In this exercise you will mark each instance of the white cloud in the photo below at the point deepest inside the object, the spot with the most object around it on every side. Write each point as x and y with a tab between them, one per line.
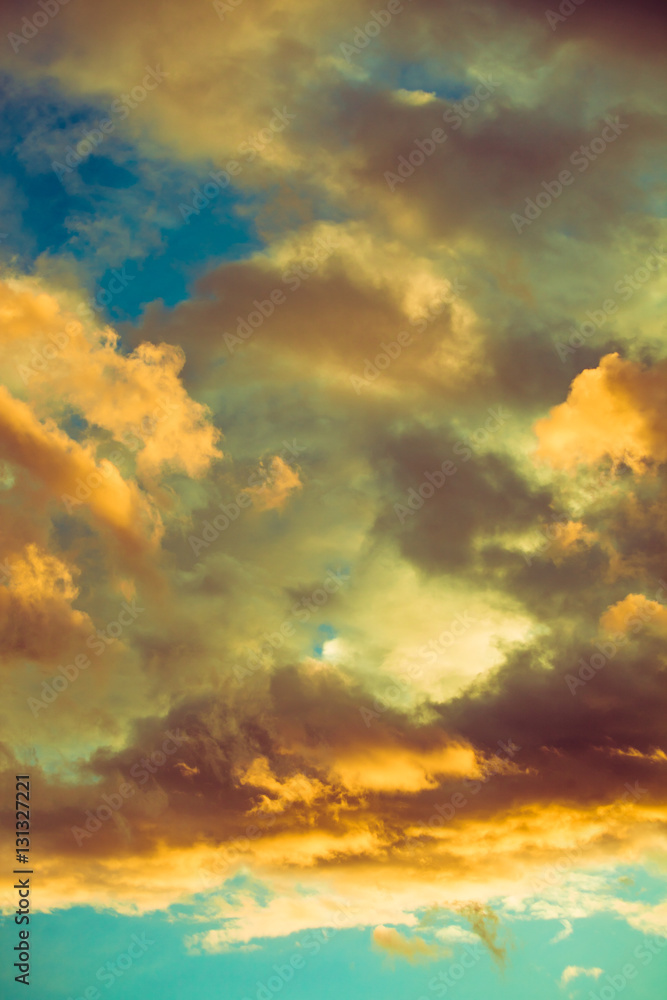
572	971
562	934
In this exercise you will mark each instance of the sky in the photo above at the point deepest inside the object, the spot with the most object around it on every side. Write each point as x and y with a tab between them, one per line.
333	577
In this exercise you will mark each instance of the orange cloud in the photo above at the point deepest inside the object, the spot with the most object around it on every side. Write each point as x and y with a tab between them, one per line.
63	465
138	398
634	613
393	768
37	620
280	482
413	949
613	411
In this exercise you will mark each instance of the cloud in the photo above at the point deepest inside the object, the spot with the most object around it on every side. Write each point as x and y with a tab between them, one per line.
279	484
374	774
64	466
562	934
37	619
614	411
413	949
98	428
634	613
485	923
572	971
455	934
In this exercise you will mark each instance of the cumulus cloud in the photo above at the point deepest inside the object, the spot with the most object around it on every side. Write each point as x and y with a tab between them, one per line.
37	619
573	971
615	410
